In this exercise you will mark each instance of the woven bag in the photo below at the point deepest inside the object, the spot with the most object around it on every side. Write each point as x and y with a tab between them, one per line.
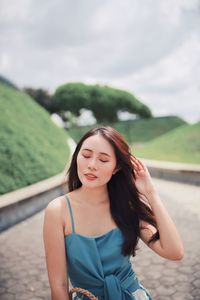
82	291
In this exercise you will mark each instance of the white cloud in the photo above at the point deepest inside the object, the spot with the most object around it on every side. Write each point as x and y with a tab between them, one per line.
171	85
148	47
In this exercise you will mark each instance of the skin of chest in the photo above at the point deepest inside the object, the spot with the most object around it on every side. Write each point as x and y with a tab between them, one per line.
95	220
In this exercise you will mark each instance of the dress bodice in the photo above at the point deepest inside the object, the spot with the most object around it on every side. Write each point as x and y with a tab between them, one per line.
97	264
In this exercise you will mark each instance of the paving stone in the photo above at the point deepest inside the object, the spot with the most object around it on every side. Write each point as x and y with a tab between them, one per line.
183	287
167	291
195	294
8	296
183	278
182	296
18	288
9	283
169	281
186	270
197	274
196	283
28	296
2	290
34	298
43	294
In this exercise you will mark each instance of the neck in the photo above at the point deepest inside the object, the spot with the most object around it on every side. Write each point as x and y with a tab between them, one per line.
94	196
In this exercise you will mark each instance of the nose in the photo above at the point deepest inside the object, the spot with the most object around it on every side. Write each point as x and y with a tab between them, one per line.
92	164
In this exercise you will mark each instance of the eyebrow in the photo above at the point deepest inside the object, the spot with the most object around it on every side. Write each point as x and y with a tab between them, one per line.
99	152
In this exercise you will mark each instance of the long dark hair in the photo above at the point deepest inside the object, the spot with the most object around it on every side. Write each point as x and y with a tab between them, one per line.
126	205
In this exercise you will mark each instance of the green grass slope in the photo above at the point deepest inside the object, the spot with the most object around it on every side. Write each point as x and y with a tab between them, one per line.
180	145
137	131
7	82
32	147
143	130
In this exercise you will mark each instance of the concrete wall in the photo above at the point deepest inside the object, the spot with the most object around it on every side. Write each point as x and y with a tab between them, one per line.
186	173
23	203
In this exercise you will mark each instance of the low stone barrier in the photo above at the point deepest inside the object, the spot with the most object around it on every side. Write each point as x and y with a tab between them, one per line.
185	173
18	205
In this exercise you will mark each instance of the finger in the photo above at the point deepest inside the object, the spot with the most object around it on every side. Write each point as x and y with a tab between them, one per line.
137	163
144	167
136	166
136	174
134	160
141	163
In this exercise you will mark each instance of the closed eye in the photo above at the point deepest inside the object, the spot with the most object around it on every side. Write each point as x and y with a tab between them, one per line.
86	156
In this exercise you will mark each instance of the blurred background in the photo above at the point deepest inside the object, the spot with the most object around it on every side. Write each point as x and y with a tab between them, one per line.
67	66
134	65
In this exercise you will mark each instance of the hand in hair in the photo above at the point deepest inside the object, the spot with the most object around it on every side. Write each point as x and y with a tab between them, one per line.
143	180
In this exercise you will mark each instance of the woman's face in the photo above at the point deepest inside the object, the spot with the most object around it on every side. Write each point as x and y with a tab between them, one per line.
96	161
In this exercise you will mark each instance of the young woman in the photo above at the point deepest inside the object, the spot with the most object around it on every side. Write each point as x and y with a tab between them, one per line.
91	232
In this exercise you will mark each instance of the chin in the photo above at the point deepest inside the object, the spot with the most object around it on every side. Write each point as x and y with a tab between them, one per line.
92	185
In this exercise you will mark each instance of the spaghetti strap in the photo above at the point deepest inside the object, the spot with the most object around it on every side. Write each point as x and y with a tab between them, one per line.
71	214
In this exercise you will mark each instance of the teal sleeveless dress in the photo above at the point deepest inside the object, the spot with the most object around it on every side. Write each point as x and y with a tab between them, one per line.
96	263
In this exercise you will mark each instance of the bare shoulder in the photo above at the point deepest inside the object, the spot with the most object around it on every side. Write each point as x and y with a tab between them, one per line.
56	206
56	203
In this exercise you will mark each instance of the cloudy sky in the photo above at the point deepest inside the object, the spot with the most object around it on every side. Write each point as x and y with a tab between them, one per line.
148	47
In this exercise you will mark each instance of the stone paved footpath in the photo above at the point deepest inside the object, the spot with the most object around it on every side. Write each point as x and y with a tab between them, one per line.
22	264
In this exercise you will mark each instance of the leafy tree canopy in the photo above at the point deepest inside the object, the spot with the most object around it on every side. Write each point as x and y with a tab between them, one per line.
41	96
103	101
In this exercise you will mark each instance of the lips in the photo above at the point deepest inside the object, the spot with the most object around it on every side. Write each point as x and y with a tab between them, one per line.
90	176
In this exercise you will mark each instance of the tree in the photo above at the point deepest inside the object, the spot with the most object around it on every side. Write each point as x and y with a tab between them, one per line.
103	101
41	96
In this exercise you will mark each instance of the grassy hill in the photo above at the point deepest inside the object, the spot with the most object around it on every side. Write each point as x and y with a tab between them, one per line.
179	145
137	131
7	82
32	147
143	130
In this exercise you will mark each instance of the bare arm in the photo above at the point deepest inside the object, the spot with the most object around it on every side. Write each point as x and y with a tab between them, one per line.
53	235
169	245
